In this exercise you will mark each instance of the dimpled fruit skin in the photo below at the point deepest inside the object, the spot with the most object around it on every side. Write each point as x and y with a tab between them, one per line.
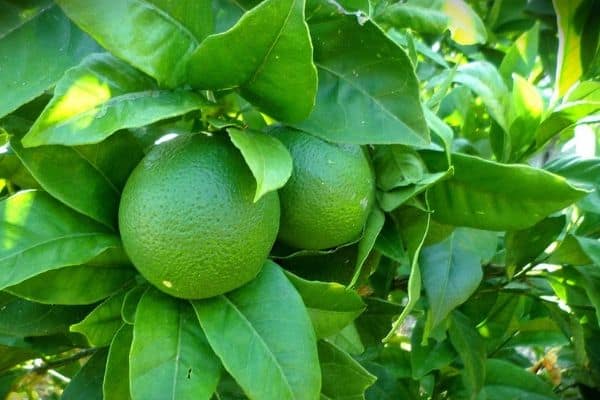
327	199
188	222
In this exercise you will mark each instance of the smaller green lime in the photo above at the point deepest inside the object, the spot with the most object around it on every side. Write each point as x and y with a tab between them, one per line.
328	198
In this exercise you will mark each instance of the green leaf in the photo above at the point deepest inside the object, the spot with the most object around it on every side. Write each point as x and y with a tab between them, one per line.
583	172
228	389
584	91
539	332
331	266
505	380
40	234
116	379
87	383
414	227
36	346
12	169
343	378
451	272
331	306
36	49
372	229
83	284
229	12
169	354
9	357
397	166
391	200
374	98
569	252
471	349
484	79
580	106
348	340
524	246
481	194
97	173
501	320
271	63
389	242
564	117
266	326
268	159
430	355
388	386
440	128
521	56
416	17
23	318
525	112
466	27
587	277
100	96
121	26
591	247
569	66
103	322
130	303
374	323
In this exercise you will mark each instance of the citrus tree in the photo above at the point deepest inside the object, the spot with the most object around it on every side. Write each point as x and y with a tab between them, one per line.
299	199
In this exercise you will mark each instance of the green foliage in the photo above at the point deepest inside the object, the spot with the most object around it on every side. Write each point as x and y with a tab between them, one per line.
254	56
473	274
100	96
267	318
169	352
267	158
39	43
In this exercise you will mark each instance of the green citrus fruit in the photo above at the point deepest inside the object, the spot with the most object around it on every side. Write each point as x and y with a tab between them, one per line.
327	199
188	221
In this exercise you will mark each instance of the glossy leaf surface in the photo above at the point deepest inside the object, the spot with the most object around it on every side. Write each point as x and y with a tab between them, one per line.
121	27
38	44
253	56
266	325
169	353
101	96
330	306
268	159
40	234
375	98
481	193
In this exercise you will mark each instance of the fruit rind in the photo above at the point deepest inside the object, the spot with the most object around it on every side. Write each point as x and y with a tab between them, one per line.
188	221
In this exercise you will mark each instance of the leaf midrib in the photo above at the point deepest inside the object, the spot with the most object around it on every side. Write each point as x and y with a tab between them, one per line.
39	13
442	297
111	103
45	242
170	19
260	340
177	353
97	169
272	46
374	99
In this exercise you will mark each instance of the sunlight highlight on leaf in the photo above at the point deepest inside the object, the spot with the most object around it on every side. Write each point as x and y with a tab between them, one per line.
465	25
17	212
568	67
85	94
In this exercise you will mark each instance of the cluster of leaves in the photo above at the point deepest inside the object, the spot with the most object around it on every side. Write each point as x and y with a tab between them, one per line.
476	275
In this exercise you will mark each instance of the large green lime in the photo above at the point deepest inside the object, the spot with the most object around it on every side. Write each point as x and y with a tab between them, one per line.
188	221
